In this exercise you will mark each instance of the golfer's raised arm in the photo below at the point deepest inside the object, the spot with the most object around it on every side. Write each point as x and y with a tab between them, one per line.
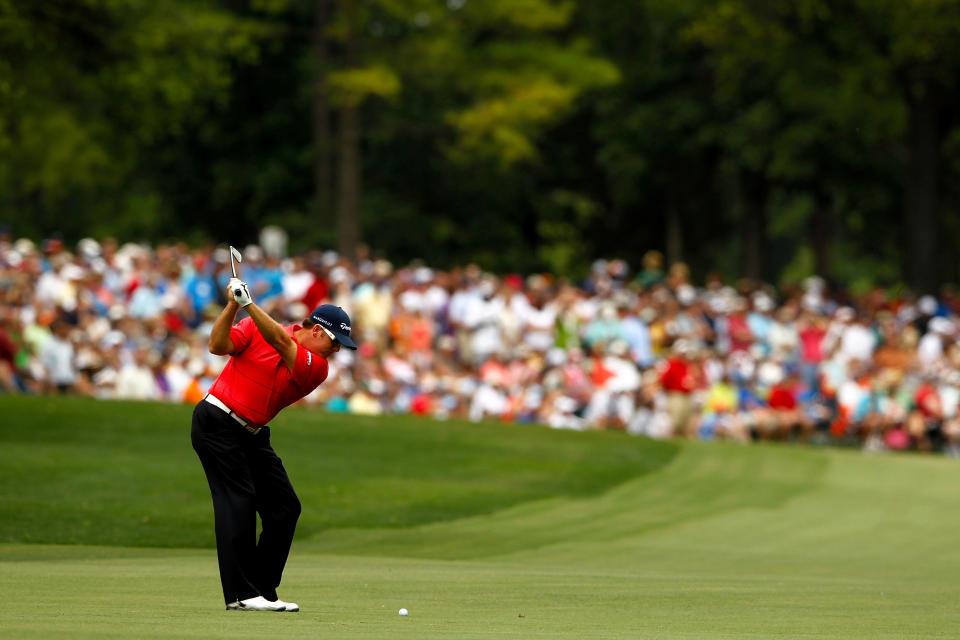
274	334
220	343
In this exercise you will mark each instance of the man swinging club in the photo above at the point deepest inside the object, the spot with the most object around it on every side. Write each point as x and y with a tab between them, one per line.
272	366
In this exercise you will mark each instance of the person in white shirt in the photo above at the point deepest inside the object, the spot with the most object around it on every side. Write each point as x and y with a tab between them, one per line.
297	279
538	316
850	336
482	318
930	347
57	358
489	401
612	402
135	380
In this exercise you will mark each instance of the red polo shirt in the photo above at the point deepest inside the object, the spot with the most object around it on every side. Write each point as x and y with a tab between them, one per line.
256	383
782	398
676	375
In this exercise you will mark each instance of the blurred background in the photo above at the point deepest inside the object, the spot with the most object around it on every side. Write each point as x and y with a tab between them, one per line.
702	218
761	140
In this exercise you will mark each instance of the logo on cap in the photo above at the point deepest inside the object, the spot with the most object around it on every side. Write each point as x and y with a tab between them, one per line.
336	321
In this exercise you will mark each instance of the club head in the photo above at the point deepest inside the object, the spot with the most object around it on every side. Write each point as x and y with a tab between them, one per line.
235	256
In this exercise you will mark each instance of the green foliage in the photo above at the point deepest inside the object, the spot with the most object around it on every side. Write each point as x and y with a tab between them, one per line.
93	85
736	118
561	226
354	86
535	15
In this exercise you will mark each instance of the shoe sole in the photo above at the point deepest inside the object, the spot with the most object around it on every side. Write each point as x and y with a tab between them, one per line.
236	607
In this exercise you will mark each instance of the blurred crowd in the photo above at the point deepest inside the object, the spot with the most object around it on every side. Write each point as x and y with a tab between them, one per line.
644	350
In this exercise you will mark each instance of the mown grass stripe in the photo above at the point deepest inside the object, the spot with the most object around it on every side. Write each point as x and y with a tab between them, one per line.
77	471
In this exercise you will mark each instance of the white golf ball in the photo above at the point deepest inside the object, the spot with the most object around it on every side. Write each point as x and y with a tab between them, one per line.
403	612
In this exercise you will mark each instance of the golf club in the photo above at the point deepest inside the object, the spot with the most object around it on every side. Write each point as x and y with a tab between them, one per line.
235	255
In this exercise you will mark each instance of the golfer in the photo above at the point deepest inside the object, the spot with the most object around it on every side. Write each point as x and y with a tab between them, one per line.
271	367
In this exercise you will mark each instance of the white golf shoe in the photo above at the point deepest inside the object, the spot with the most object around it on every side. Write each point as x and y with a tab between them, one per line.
288	606
258	603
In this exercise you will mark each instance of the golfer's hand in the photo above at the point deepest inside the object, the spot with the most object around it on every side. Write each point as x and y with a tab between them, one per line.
240	292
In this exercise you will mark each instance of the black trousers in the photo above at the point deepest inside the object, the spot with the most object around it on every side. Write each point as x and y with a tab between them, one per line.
246	478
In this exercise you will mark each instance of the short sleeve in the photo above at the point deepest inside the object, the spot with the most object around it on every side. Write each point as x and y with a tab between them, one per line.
309	369
241	334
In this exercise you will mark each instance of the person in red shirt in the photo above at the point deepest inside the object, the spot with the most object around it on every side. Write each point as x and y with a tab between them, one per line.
271	366
680	376
925	422
789	417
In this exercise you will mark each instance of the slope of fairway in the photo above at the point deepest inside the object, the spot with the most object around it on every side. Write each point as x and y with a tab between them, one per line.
707	480
78	471
712	542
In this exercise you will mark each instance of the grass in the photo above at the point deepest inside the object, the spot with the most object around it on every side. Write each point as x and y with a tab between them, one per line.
481	531
125	473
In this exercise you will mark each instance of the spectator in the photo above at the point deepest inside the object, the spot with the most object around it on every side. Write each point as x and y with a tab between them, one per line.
680	379
662	358
9	376
652	272
56	357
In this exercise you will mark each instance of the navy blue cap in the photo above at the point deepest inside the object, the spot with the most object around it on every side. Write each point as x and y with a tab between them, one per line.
335	320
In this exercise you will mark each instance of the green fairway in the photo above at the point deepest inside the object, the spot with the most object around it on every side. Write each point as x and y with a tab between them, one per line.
481	531
124	473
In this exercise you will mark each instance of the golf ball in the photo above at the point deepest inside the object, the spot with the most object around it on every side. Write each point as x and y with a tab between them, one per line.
403	612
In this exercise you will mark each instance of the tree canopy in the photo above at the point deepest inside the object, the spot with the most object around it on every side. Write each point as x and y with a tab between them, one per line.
762	140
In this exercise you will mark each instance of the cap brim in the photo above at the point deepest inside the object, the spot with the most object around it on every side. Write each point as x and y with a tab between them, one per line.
345	340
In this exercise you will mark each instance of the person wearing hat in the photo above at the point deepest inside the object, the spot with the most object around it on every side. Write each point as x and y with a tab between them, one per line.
271	366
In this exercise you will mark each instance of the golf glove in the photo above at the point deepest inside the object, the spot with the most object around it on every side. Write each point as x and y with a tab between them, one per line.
240	292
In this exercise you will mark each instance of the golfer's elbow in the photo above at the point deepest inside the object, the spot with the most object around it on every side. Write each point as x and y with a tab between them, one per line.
219	347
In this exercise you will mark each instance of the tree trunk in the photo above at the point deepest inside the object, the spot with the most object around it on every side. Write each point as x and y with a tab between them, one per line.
350	163
752	196
820	238
322	166
921	201
349	181
674	239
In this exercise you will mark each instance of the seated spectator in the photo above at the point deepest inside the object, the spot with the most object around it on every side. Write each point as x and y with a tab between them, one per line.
784	401
57	359
663	357
719	418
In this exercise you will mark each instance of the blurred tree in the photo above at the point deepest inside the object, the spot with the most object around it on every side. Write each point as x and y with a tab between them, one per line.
800	126
657	167
768	140
435	107
840	108
323	157
85	87
920	43
485	79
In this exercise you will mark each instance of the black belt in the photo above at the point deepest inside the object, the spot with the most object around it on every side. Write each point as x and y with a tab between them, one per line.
219	404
